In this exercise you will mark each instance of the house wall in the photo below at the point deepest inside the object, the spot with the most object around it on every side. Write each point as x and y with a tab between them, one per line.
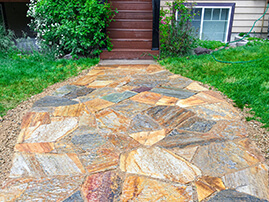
246	12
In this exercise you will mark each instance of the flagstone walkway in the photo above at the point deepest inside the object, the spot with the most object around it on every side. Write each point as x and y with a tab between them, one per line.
134	133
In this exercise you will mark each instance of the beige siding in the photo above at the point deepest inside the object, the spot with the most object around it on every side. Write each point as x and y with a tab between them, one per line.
246	12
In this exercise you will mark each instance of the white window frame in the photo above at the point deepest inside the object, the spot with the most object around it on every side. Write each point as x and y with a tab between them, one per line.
202	18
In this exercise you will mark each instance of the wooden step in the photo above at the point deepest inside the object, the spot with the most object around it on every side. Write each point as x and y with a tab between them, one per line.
129	33
132	43
130	5
134	14
143	54
131	24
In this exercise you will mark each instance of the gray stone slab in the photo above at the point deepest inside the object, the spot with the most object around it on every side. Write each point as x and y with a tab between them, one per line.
79	92
141	123
76	197
230	195
173	92
197	124
60	92
118	97
53	101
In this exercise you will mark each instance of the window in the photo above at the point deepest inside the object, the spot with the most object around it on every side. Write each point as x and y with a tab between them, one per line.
213	21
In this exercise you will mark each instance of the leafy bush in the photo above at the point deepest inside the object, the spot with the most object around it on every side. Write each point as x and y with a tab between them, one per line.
177	36
75	26
210	44
6	40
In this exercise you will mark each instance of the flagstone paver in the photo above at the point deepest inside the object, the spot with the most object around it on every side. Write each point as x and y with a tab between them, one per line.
134	133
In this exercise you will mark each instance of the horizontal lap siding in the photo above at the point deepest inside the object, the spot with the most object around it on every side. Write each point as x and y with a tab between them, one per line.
246	12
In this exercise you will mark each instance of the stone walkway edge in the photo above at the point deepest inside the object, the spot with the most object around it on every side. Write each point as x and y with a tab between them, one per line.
134	133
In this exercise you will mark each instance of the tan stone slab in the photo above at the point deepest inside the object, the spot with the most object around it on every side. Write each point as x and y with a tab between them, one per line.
46	189
43	147
108	67
211	96
147	97
32	119
165	100
98	104
87	119
149	138
85	80
112	120
137	188
94	72
70	110
101	159
120	82
187	153
207	185
196	87
12	193
216	111
191	101
99	84
159	163
58	127
219	159
252	180
154	68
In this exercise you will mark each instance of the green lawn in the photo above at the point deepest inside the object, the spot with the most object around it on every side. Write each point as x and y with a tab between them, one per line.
23	76
247	84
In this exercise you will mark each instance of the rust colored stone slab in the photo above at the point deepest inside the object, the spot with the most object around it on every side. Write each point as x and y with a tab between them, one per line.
169	116
112	120
98	104
218	159
252	180
207	185
43	147
85	80
137	188
102	187
147	97
32	119
149	138
165	100
150	162
122	141
196	87
70	110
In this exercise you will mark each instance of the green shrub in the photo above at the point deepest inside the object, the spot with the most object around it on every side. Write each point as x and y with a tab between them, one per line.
6	40
177	36
75	26
210	44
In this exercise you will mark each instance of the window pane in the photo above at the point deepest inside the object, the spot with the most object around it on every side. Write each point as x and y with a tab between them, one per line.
224	14
196	22
214	30
207	14
216	13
